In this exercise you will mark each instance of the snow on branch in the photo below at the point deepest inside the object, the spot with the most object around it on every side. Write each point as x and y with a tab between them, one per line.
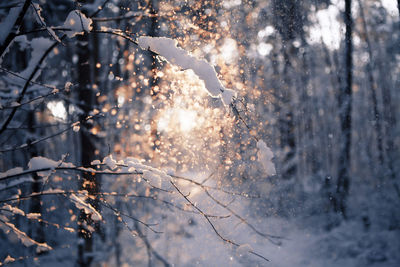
167	48
154	177
23	237
11	172
39	163
265	156
77	23
38	11
39	47
80	203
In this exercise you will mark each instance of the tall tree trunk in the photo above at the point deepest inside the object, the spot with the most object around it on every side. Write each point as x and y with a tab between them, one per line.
289	23
372	86
345	108
36	229
89	182
154	90
398	5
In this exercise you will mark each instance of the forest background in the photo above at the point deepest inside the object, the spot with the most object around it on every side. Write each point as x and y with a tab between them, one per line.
115	151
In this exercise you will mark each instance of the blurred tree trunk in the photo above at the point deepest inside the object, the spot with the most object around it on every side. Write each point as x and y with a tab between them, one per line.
35	230
87	51
154	90
398	5
345	108
372	87
289	23
373	90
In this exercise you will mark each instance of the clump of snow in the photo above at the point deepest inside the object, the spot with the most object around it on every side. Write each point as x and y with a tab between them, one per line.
167	48
33	216
38	163
8	259
95	162
265	156
86	207
77	23
76	127
67	86
12	209
152	178
23	237
110	162
227	96
10	172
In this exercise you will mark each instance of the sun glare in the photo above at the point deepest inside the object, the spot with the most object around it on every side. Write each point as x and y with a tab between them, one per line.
187	119
57	109
177	118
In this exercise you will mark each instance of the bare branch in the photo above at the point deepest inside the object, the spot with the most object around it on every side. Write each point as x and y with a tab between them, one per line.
119	213
71	126
149	247
17	24
215	188
130	15
212	225
243	220
22	94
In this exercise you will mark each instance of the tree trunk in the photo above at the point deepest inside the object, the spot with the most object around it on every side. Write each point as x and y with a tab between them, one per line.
89	182
372	86
345	108
154	90
36	229
289	23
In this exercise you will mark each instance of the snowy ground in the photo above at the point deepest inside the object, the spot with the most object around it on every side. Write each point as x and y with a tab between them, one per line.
345	246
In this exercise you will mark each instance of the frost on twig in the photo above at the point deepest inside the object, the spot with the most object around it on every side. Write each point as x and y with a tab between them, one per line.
167	48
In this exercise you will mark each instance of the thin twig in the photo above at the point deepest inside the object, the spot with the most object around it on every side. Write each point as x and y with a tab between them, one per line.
269	237
119	213
149	247
215	188
32	82
17	24
22	94
212	225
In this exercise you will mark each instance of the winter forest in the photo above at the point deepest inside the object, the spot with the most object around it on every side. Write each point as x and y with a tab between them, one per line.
200	133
